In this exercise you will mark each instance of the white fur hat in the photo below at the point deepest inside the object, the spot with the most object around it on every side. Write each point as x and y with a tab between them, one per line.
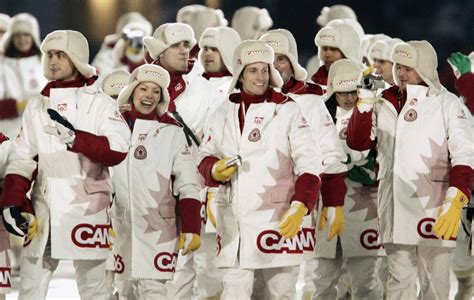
184	13
148	73
344	75
342	36
421	56
356	25
114	82
166	35
368	41
204	18
22	23
383	49
248	21
225	39
4	20
249	52
335	12
283	42
130	17
74	44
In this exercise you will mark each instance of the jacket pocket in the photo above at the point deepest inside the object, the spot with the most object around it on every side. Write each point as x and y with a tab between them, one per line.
439	174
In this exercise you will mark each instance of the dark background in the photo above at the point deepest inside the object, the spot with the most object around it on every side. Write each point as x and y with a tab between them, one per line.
447	25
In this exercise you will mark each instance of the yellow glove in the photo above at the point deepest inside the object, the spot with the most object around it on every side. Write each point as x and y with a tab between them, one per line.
210	215
449	215
32	225
291	221
221	172
335	217
21	105
112	235
188	242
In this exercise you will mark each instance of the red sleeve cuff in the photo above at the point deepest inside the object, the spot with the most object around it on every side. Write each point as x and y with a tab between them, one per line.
333	189
205	168
307	188
15	188
461	177
97	149
190	213
358	131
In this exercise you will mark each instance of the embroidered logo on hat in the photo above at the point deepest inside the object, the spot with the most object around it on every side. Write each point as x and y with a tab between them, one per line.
329	37
403	53
208	36
273	43
118	85
258	51
154	73
345	82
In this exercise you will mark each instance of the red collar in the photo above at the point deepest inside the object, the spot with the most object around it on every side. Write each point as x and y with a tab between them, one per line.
177	84
216	74
62	84
194	52
132	115
321	76
131	65
270	95
300	87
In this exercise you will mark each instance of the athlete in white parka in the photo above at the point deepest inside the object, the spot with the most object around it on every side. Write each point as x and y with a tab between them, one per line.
147	217
70	135
425	147
261	204
5	247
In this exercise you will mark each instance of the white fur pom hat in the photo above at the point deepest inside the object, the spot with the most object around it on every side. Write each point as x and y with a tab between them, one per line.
22	23
4	20
225	39
127	18
342	36
249	52
344	75
166	35
283	42
74	44
356	25
142	28
148	73
421	56
204	18
335	12
184	13
383	49
114	82
249	21
368	41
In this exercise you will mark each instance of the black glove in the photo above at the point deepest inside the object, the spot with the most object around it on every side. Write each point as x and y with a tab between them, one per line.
14	222
55	116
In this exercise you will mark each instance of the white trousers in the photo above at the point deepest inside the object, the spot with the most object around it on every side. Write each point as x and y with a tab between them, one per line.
35	274
141	289
407	263
280	282
199	268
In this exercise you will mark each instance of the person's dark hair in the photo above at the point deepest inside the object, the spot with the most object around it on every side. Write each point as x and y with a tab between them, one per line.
331	105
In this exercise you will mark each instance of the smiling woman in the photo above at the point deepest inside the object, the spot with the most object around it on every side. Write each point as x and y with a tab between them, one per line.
146	96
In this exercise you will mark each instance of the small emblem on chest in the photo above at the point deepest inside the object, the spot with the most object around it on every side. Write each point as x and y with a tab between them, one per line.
258	120
142	136
413	101
62	107
254	135
411	115
140	152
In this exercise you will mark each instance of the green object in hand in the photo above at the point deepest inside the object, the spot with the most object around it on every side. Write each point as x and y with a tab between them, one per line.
461	62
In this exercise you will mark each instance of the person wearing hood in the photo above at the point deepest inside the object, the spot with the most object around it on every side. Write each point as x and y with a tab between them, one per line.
23	77
310	99
425	147
70	135
381	57
271	183
160	171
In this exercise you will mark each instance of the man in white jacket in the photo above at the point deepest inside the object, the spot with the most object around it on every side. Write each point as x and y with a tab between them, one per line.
70	135
425	151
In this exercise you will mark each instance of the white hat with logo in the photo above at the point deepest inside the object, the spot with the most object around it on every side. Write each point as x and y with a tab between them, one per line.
167	35
22	23
114	82
249	21
342	36
225	39
335	12
344	75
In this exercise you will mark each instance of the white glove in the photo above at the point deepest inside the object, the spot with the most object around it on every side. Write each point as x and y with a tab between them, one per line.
367	99
64	134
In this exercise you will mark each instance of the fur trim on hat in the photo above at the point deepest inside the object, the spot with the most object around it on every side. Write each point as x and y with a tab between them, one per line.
383	49
166	35
249	52
421	56
225	39
344	75
283	42
114	82
342	36
250	21
74	44
148	73
206	17
368	41
4	20
335	12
